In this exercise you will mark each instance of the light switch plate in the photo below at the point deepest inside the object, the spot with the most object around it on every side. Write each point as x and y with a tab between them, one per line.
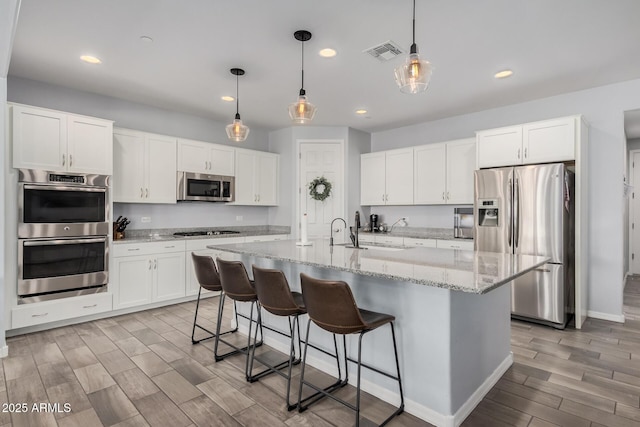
145	219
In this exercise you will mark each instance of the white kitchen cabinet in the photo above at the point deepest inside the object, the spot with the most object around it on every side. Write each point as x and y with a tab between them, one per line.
384	239
529	143
60	309
256	178
443	172
419	243
147	272
386	178
199	247
58	141
466	245
205	157
144	167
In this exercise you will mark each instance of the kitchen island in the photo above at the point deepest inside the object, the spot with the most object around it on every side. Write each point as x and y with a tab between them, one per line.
452	316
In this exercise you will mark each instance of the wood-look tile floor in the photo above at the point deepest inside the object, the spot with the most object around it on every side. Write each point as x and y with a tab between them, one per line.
141	369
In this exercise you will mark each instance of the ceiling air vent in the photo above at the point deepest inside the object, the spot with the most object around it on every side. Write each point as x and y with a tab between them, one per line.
384	51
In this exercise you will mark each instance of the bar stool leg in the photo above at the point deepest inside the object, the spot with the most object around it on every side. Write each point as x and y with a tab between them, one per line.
215	347
195	319
395	352
358	382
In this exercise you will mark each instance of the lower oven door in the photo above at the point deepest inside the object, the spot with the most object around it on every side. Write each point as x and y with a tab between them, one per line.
46	266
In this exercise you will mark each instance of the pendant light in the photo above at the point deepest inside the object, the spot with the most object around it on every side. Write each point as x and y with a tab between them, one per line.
302	111
413	76
236	131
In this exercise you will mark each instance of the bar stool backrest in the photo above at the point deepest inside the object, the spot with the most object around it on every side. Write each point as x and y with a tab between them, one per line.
206	272
274	293
331	305
235	280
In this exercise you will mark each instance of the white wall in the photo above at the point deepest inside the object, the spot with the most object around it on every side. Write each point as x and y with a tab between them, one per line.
603	108
150	119
3	134
358	142
282	142
632	144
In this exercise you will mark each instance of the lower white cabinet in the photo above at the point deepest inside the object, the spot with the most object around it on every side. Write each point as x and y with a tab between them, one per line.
420	243
147	272
60	309
466	245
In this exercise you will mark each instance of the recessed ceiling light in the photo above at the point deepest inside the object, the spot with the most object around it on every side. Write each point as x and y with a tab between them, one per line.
327	53
361	111
503	74
146	39
90	59
227	98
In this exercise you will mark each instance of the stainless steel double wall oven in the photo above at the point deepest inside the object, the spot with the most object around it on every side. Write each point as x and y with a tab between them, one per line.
63	227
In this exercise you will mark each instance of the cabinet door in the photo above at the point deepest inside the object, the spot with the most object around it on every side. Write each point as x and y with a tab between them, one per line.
267	179
499	147
245	178
131	281
461	163
128	166
193	156
549	141
39	139
465	245
89	145
169	276
429	184
399	177
419	243
161	167
222	160
372	179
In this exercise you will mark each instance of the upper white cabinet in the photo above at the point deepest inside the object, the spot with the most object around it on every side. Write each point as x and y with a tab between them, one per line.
386	177
256	178
58	141
144	168
539	142
205	157
443	173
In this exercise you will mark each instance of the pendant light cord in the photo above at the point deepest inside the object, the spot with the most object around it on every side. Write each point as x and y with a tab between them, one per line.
237	99
414	48
302	91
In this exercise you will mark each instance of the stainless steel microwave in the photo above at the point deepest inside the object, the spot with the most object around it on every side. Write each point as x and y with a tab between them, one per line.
206	188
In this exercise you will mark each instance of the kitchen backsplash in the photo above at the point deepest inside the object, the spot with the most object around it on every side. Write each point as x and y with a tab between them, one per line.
418	216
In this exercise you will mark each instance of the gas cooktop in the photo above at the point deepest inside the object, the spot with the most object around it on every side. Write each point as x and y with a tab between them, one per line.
204	233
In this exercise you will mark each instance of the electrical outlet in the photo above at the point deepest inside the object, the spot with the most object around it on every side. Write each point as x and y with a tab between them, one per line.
238	217
145	219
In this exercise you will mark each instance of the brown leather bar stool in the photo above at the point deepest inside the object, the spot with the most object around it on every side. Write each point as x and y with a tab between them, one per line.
276	297
331	307
237	286
208	278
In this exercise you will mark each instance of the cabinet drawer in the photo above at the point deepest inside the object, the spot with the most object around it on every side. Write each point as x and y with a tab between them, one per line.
422	243
62	309
366	238
200	244
128	249
466	245
267	238
389	240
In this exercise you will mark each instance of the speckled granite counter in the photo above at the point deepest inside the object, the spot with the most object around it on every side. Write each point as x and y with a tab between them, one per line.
164	234
456	270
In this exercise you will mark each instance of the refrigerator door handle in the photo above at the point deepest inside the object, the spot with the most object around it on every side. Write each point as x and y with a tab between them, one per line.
516	215
509	213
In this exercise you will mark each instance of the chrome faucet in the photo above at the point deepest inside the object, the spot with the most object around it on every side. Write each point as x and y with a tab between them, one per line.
354	238
335	219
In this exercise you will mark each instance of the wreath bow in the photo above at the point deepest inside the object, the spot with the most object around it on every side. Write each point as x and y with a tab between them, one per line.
320	189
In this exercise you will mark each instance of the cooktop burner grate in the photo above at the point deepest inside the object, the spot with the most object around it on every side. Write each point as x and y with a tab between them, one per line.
204	233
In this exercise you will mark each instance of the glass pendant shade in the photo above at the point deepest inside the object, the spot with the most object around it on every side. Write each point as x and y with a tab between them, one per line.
236	131
414	75
302	111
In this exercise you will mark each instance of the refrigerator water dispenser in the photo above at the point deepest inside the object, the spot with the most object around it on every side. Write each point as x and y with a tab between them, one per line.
488	213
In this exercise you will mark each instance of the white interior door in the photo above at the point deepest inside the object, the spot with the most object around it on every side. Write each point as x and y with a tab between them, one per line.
634	217
322	159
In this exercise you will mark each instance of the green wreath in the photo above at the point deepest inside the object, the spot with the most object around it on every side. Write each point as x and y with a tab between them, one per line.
320	189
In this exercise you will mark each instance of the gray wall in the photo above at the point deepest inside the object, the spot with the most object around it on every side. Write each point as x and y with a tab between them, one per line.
603	108
632	144
358	142
150	119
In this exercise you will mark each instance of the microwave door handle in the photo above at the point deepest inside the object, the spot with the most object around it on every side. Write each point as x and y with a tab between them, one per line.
63	241
65	188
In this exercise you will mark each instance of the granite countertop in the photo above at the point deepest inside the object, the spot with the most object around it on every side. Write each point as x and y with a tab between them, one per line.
455	270
166	234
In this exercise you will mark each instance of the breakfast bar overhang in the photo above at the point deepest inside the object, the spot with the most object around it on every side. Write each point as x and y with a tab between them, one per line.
452	312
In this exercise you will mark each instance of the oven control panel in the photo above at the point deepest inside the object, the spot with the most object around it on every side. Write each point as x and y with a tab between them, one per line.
76	179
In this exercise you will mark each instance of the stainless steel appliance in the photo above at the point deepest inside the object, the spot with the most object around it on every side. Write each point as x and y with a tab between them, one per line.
463	223
204	233
373	219
529	210
63	226
207	188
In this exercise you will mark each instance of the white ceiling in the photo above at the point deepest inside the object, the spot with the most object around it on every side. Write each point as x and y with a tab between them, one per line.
552	46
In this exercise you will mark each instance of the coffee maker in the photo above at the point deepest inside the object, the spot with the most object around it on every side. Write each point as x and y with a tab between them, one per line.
373	220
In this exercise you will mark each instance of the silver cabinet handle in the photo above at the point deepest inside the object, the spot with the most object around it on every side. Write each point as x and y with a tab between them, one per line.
90	306
64	158
133	249
141	192
383	197
525	153
70	159
258	197
146	193
448	196
40	315
518	153
443	195
155	264
150	264
169	247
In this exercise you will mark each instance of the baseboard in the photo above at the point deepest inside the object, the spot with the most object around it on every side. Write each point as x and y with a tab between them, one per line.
619	318
4	351
393	398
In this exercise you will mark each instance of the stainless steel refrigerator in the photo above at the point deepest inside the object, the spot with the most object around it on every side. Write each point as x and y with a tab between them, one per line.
529	210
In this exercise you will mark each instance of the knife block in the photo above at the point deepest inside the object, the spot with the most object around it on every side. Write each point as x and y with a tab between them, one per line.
118	235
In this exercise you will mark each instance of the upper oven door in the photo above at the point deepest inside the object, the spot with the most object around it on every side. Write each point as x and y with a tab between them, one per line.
62	210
